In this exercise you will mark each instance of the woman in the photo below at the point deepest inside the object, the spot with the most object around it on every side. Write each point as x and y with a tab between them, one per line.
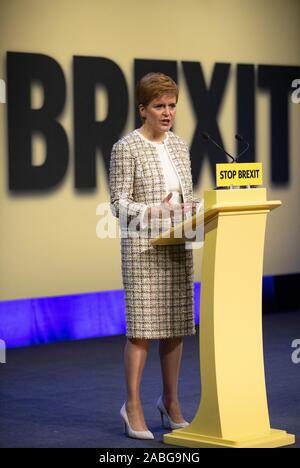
150	181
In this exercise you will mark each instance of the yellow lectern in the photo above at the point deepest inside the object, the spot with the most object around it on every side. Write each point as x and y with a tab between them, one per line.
233	411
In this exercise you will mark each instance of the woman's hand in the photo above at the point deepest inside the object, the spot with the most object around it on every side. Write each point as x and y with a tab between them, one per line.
170	210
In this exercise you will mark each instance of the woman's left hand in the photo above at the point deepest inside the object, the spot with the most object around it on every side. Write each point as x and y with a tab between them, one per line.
178	209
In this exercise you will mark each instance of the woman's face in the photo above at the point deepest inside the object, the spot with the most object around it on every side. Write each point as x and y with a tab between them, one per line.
159	113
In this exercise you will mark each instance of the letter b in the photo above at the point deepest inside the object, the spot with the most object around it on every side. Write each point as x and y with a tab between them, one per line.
22	71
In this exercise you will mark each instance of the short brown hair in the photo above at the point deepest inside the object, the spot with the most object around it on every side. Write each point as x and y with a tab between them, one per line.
154	85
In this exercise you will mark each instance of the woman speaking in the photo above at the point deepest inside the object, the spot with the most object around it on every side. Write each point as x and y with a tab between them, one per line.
150	181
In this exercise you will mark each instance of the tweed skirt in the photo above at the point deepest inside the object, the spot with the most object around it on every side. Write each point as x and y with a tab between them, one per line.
159	289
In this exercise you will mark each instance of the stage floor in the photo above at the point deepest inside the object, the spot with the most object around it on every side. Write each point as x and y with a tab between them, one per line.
69	394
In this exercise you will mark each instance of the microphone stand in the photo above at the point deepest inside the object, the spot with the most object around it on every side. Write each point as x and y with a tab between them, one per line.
238	137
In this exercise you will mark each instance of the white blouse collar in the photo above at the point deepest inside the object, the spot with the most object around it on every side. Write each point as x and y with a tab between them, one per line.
154	143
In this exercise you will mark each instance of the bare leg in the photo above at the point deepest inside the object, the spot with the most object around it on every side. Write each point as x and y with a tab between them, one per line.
135	356
170	351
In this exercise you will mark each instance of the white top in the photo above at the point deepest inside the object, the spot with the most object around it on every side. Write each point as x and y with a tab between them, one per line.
172	180
171	176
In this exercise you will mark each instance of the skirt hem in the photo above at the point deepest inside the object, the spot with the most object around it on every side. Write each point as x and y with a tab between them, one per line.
157	337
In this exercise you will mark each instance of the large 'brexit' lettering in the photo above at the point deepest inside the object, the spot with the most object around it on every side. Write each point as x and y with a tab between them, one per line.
25	69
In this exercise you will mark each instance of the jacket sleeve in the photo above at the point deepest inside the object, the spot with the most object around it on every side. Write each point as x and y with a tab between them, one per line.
121	184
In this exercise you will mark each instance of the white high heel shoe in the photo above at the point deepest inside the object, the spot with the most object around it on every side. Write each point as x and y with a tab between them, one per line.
129	431
163	412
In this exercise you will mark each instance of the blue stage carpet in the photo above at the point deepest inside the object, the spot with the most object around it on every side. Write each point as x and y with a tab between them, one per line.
69	394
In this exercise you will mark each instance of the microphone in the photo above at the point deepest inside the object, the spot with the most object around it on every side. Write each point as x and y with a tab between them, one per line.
237	137
241	139
208	137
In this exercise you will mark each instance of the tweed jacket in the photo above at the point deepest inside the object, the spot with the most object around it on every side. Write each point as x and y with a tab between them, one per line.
158	280
137	179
